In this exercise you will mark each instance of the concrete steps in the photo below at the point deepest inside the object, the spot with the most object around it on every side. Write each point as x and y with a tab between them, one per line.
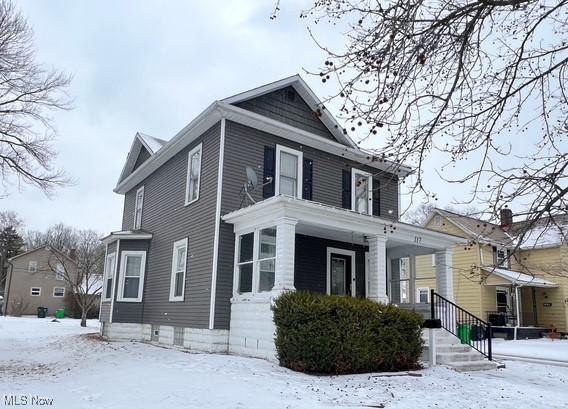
461	357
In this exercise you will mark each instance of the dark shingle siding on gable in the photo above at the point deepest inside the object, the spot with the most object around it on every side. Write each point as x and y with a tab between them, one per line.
244	146
276	105
166	216
142	157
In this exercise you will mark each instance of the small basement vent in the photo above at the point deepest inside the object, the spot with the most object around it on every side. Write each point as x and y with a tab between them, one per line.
155	333
178	336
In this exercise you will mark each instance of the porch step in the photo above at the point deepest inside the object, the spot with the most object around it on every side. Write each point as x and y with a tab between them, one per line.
462	356
467	366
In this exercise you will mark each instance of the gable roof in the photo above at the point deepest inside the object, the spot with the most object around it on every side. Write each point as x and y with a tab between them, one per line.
140	142
300	86
547	232
46	248
218	110
474	228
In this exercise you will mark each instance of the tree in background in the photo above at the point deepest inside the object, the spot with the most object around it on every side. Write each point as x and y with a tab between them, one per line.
11	242
27	92
419	214
78	257
480	84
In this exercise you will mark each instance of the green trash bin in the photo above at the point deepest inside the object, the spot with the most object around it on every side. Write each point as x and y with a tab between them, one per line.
41	312
464	333
60	313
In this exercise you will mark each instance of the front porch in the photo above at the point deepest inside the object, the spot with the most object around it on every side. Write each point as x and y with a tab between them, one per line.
288	244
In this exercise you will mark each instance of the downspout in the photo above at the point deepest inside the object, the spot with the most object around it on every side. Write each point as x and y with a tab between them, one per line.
518	310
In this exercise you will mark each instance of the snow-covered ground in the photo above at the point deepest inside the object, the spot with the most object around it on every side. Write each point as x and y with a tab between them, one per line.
78	370
544	348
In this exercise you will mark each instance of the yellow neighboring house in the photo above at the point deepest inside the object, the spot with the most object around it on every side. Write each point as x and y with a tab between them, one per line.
489	278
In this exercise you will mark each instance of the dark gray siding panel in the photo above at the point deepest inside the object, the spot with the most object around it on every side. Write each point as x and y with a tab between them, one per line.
130	312
310	264
277	105
166	216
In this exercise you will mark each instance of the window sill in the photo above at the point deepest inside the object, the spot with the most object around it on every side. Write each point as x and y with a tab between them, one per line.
106	300
128	300
178	299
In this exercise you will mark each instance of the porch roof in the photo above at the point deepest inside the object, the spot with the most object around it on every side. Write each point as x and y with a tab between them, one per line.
337	219
126	235
517	278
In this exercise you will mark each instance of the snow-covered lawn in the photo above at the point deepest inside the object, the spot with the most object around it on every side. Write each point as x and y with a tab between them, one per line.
556	350
77	370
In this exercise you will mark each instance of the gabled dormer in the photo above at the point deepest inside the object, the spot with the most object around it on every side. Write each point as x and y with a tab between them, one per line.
143	148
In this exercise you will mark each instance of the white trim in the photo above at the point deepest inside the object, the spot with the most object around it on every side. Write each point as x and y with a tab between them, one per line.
58	296
354	173
299	169
103	289
417	295
32	290
198	148
367	275
106	273
352	254
122	273
125	235
177	245
217	225
137	213
114	283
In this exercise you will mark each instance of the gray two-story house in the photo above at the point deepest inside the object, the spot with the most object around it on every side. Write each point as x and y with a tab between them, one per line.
204	248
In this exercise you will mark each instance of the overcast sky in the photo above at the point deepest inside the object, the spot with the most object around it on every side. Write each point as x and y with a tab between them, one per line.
148	66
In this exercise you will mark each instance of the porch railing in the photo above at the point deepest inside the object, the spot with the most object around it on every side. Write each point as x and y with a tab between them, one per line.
468	328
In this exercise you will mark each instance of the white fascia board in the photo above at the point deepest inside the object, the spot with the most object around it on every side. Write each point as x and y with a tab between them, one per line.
188	134
289	132
265	212
125	236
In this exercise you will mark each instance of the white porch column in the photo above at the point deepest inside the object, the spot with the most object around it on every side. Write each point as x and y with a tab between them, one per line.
285	251
378	269
444	274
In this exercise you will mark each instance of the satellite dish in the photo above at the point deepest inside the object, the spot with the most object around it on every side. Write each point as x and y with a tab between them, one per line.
252	179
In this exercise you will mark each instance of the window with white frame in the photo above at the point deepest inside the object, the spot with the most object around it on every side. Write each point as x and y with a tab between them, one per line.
110	265
361	191
193	175
131	284
58	292
179	266
256	261
59	272
288	171
423	295
139	205
35	291
32	266
500	257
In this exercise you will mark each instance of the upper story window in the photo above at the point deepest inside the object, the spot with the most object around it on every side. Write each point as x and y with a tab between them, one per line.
256	261
138	208
110	265
32	266
131	284
58	292
500	258
361	191
193	174
288	171
179	266
59	272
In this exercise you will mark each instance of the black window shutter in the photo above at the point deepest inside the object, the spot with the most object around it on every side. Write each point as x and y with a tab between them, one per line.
346	189
307	175
376	197
269	171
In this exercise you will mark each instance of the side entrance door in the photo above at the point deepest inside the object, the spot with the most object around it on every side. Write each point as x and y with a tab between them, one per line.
340	272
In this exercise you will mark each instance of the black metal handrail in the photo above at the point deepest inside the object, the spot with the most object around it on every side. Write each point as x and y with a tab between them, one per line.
470	329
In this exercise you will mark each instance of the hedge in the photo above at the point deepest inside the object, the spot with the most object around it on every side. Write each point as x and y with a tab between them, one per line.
338	335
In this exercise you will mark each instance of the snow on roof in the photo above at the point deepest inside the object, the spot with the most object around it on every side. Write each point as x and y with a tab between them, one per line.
518	278
545	236
152	143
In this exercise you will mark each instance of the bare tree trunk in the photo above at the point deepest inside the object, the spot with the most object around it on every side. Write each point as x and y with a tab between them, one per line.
83	317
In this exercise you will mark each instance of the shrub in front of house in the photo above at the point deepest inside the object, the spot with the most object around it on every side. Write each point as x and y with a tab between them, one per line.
338	335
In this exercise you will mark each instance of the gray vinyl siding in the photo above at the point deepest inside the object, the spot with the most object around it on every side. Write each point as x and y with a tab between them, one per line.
276	105
104	313
129	312
310	264
244	146
169	220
